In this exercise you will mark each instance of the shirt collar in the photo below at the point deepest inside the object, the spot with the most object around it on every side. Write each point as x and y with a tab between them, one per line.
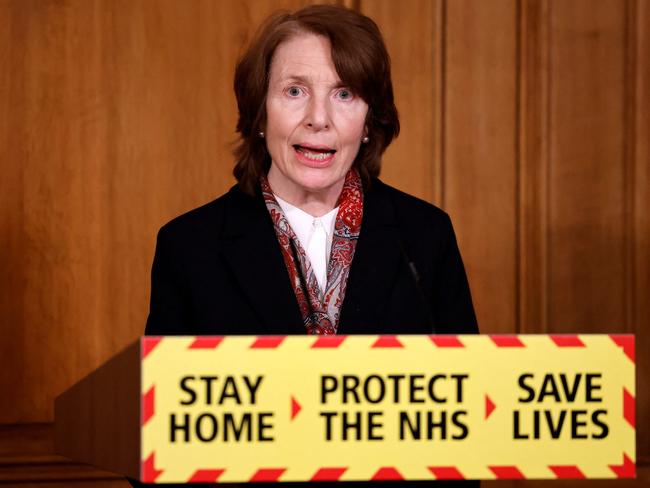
302	223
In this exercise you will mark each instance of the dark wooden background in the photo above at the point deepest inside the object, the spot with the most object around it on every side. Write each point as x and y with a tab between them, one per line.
527	120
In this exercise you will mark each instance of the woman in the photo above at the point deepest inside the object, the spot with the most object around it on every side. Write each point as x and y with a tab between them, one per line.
310	241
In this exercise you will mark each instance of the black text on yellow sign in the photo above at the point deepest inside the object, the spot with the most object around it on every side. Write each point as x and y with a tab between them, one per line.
416	411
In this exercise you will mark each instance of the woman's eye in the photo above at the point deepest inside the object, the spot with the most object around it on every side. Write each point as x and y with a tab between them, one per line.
345	94
294	91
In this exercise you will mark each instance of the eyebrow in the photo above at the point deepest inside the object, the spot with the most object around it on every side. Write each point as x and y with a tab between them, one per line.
305	81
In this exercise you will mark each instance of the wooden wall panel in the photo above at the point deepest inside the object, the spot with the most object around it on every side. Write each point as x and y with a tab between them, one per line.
12	259
534	86
480	173
412	31
587	231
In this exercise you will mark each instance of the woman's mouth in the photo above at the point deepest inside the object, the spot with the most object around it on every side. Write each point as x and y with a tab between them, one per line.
315	155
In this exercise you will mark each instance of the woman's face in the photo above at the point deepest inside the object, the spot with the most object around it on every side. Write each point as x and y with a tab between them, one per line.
314	124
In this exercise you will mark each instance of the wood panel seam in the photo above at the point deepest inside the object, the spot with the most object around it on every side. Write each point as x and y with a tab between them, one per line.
443	102
629	161
547	94
520	31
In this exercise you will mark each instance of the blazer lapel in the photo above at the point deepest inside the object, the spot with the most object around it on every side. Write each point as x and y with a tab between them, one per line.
251	251
376	261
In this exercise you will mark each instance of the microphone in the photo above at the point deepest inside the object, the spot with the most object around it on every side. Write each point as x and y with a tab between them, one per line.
413	272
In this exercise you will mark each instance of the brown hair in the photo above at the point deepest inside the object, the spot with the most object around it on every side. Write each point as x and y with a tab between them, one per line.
361	61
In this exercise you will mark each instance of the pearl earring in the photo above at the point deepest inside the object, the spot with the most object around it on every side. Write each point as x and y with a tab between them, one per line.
365	140
261	134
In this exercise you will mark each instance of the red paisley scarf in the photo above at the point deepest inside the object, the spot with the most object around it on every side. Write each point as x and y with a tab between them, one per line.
320	310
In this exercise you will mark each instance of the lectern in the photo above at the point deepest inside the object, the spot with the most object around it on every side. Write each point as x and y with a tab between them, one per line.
344	408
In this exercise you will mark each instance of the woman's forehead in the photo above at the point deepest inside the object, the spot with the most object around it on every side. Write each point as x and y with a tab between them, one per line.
305	58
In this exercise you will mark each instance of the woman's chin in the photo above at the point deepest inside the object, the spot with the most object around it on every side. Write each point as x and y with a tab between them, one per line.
320	181
297	180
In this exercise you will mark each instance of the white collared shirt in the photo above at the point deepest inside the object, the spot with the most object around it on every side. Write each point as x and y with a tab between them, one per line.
304	226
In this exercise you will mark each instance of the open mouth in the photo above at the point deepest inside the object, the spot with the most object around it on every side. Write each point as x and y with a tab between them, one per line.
315	153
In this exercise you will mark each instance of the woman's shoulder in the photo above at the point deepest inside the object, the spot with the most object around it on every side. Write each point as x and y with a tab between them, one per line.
205	221
409	209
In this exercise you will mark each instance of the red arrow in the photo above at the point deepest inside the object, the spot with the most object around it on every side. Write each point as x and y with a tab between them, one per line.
489	407
295	408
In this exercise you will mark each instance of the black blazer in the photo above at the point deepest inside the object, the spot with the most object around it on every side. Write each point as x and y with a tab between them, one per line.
219	270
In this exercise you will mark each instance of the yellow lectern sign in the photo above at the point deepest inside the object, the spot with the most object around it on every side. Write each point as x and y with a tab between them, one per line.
233	409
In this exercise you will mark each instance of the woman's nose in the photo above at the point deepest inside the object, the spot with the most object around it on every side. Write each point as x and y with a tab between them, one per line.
318	116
